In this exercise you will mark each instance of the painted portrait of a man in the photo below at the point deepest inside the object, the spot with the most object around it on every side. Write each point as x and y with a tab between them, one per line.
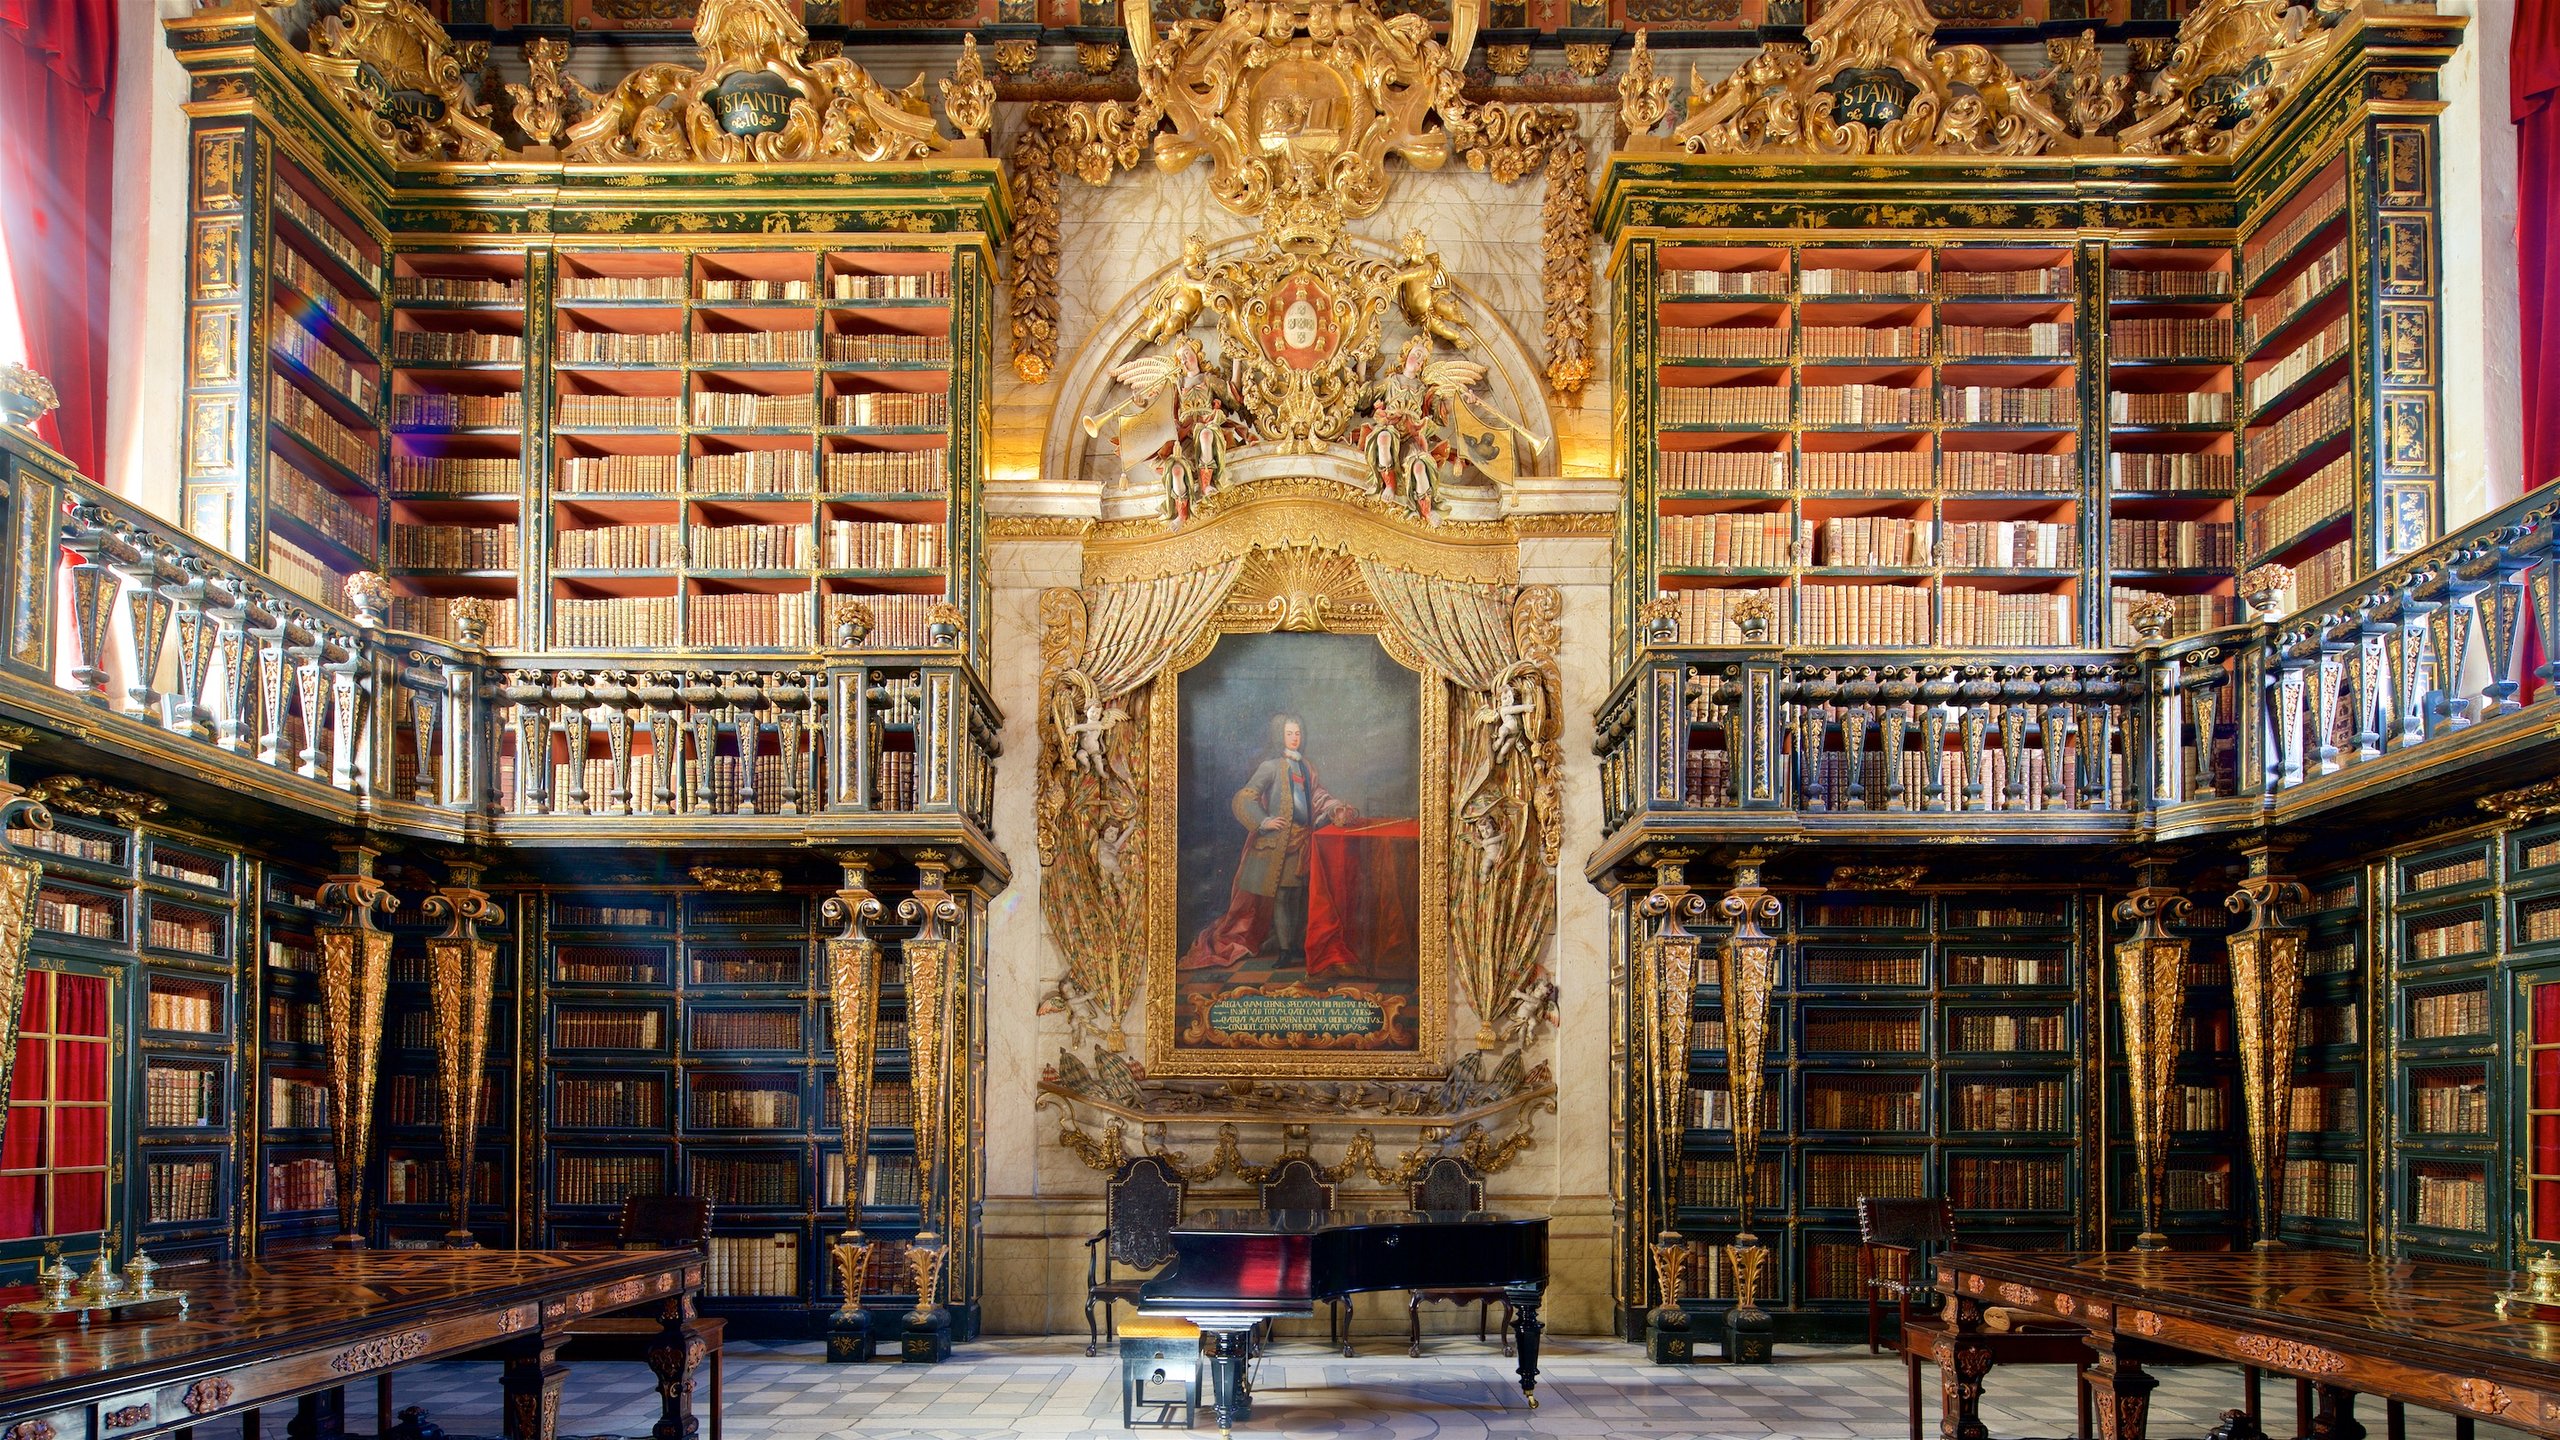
1280	805
1298	882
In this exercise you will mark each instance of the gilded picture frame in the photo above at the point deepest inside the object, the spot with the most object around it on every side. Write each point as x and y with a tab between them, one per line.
1339	614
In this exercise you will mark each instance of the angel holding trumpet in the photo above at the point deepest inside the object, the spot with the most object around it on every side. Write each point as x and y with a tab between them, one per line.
1177	416
1418	426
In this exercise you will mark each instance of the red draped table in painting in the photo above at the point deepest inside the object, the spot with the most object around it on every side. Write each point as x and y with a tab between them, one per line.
301	1327
2423	1334
1362	883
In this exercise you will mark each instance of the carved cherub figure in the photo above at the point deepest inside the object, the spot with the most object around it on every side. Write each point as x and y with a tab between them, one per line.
1423	292
1180	296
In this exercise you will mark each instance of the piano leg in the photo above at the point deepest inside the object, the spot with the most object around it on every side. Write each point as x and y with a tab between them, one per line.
1522	1303
1225	1348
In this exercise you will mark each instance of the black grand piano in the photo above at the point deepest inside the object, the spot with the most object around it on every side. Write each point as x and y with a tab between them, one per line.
1233	1269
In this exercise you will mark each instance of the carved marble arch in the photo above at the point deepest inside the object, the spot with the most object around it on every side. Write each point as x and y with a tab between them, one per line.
1514	382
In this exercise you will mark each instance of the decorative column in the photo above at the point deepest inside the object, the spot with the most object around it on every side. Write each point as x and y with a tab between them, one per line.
2151	989
355	974
853	1009
462	975
1672	977
2266	1000
934	911
1749	970
19	877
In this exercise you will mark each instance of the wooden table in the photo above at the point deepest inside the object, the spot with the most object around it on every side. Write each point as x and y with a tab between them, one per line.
2424	1334
300	1327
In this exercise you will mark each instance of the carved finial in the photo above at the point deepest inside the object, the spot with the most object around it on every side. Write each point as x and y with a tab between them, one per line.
2151	618
369	595
969	97
471	616
2267	591
1752	615
25	396
1661	617
943	624
1643	97
542	102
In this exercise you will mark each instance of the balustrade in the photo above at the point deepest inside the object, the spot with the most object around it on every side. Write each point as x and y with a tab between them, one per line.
163	641
2433	654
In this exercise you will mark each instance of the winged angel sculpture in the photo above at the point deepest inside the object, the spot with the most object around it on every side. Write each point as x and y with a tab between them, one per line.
1299	369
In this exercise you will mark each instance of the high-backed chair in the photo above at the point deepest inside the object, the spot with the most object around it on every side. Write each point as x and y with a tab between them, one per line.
653	1222
1296	1184
1139	1208
1897	1238
1449	1183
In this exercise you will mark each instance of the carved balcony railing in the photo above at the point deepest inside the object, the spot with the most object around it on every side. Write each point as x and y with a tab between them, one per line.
126	631
124	628
835	734
2429	663
1760	731
2429	657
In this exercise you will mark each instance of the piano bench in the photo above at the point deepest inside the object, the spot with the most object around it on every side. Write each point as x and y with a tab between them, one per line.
1159	1370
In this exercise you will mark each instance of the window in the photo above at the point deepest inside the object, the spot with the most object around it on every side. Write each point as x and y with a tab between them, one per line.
53	1160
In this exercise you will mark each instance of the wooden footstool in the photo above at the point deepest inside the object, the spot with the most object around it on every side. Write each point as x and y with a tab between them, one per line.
1156	1353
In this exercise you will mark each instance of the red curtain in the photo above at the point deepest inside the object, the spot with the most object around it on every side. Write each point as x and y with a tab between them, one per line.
57	92
2533	77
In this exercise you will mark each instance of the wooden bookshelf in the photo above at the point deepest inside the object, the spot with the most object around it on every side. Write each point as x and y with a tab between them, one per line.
687	1048
1921	1042
325	336
1879	438
2328	1148
151	914
2171	476
2450	992
2300	500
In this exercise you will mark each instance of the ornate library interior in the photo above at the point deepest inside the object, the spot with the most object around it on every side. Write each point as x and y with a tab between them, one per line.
1407	718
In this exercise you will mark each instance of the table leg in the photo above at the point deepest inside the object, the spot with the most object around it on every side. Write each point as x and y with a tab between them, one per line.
321	1416
674	1355
1225	1351
530	1384
2337	1418
1963	1360
1523	1322
2122	1390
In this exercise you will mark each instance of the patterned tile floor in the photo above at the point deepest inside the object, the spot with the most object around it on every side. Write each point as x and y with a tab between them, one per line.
1045	1389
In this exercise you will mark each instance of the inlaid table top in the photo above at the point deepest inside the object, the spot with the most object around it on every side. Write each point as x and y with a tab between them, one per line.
2297	1306
375	1308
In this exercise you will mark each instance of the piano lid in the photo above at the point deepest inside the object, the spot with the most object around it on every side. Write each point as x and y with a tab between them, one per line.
1257	1221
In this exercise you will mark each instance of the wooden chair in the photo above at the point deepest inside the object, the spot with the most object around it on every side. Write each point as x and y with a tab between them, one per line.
1450	1183
1897	1238
653	1222
1139	1208
1296	1184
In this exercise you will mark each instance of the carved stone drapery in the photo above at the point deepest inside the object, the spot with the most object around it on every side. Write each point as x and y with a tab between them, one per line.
355	976
2151	987
1496	647
462	972
1100	650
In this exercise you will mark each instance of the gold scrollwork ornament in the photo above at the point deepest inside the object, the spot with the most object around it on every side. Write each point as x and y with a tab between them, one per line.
393	68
